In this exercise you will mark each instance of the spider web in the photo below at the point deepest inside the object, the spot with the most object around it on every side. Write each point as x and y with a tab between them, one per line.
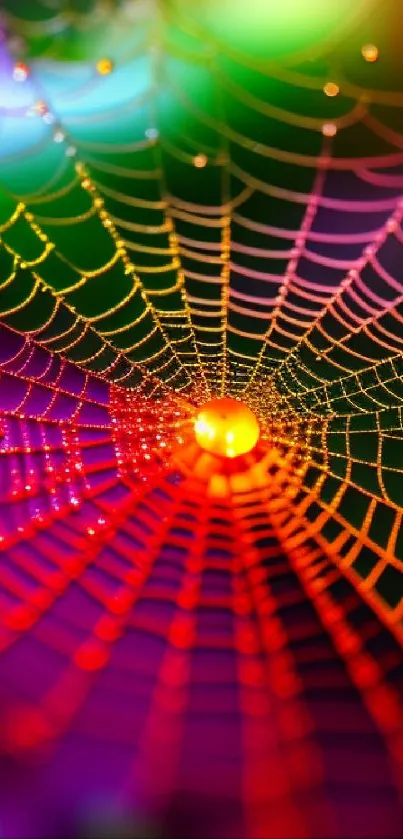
183	223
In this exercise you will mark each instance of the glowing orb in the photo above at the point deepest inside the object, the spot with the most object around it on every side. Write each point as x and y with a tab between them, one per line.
200	161
104	66
370	53
226	427
331	89
329	129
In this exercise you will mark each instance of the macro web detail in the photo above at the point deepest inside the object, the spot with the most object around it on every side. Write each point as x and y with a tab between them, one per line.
184	217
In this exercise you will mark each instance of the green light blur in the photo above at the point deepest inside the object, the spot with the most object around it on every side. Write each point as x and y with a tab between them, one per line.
271	28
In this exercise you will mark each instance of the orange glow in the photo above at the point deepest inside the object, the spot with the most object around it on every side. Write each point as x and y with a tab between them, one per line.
200	161
226	427
104	66
331	89
370	52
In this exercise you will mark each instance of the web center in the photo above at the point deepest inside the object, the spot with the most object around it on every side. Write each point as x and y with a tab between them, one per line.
226	427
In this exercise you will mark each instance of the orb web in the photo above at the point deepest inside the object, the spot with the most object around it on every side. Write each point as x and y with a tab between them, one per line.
179	223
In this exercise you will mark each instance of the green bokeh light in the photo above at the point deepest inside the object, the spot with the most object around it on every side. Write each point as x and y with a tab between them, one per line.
270	28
